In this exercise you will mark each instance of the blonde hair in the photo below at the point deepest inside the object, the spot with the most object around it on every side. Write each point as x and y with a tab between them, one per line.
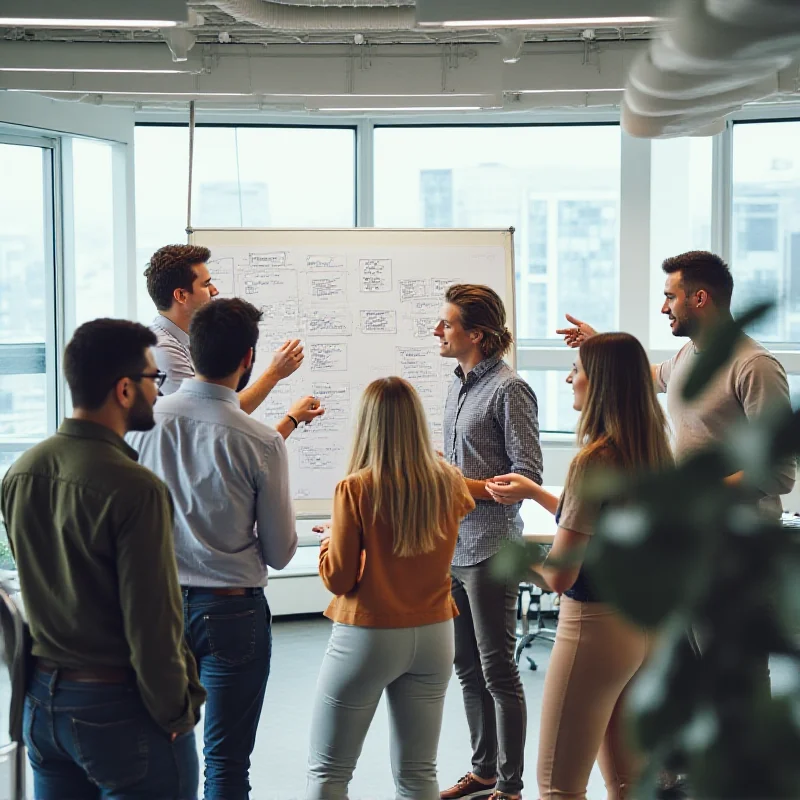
411	487
620	410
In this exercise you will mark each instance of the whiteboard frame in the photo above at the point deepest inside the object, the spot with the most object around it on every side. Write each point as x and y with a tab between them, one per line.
317	508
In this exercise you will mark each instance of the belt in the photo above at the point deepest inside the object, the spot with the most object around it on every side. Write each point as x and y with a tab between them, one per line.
223	591
87	674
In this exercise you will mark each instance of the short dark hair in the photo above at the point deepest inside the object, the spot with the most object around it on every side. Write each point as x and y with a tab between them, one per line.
220	334
170	268
99	354
482	310
700	269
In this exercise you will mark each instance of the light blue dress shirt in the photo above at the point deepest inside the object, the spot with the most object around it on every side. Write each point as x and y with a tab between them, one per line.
229	479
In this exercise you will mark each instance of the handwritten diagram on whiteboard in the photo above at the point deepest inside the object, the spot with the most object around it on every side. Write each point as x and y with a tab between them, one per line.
363	311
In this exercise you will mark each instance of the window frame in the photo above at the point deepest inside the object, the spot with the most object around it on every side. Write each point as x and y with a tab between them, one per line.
32	355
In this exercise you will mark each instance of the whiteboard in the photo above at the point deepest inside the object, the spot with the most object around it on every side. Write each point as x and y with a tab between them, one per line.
364	301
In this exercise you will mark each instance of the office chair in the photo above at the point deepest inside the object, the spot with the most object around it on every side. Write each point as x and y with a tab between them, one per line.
14	655
532	611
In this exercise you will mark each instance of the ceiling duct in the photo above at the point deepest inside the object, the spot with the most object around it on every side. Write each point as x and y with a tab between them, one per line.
320	17
714	57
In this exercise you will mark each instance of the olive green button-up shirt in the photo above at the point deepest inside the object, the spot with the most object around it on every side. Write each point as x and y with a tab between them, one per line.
91	532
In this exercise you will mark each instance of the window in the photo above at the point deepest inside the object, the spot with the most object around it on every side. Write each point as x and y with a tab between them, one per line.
681	180
766	224
558	186
93	215
555	399
243	177
27	407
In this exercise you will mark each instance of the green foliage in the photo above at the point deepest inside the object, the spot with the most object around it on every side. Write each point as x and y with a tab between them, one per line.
682	551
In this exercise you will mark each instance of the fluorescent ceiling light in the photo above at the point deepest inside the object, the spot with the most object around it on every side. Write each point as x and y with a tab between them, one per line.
539	14
538	22
92	13
198	95
411	108
356	97
142	71
55	22
558	91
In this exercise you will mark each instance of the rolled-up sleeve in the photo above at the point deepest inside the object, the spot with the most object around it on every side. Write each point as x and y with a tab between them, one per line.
275	521
517	412
152	612
340	555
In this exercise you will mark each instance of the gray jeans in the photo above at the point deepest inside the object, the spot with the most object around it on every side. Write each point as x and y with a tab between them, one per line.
493	695
414	666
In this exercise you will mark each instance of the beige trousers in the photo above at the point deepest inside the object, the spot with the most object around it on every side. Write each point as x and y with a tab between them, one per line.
594	658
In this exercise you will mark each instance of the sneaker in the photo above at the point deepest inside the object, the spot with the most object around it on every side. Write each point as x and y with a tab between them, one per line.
468	787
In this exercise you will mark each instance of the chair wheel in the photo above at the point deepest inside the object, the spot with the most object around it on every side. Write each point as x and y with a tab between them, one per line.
532	664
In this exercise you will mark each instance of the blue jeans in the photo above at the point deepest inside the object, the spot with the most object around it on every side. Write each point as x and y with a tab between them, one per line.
93	741
231	638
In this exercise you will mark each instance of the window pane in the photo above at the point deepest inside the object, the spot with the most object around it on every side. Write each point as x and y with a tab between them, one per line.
558	187
766	224
680	214
243	177
25	273
554	395
93	198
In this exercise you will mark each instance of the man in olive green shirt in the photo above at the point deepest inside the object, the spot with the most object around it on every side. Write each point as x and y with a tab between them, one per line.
114	695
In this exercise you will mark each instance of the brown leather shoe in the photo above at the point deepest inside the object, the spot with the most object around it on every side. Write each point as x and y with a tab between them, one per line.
468	787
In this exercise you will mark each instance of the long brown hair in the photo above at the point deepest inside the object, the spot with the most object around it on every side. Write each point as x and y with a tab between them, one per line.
620	409
411	487
482	310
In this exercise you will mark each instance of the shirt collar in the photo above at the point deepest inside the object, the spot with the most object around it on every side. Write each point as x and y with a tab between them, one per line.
478	370
171	328
84	429
211	391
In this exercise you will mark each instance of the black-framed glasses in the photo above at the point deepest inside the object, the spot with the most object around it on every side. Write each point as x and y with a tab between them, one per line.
158	377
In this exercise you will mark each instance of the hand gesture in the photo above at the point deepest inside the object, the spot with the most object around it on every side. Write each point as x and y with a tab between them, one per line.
323	531
287	358
306	409
510	489
575	336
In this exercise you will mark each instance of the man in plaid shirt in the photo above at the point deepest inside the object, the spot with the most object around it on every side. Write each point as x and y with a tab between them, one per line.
490	428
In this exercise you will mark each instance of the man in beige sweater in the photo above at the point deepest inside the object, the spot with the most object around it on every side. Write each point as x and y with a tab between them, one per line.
697	295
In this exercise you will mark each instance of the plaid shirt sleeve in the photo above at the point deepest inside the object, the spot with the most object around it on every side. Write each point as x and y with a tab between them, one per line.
517	413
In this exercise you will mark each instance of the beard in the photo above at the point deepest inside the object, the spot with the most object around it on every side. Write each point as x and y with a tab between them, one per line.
244	380
140	417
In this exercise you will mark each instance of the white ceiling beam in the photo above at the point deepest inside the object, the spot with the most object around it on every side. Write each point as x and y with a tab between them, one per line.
288	71
94	57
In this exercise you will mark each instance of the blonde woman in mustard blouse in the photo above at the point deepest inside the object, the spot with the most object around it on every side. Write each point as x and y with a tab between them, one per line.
392	536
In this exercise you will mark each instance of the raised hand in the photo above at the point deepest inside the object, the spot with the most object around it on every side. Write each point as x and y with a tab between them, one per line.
287	358
573	337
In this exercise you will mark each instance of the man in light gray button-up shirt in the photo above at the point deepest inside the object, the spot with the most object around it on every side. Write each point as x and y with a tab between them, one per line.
179	283
229	478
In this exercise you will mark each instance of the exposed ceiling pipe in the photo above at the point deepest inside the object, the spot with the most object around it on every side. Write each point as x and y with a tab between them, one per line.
715	56
320	19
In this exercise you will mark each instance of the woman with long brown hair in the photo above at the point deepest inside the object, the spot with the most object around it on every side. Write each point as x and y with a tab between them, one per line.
392	537
597	652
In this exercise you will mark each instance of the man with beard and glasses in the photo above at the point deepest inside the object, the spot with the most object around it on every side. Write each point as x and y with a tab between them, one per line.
113	695
228	473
